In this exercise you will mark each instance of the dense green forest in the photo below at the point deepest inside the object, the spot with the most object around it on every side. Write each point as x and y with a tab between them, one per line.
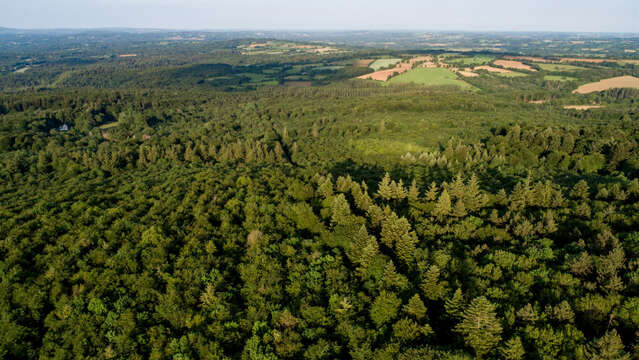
144	217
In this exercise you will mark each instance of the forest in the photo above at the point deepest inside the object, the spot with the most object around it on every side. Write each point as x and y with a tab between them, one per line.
168	205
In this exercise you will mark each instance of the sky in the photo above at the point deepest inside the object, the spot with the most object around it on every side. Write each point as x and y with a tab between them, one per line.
463	15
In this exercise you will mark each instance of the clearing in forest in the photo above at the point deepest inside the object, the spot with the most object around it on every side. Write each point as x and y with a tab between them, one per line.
511	64
612	83
424	76
383	63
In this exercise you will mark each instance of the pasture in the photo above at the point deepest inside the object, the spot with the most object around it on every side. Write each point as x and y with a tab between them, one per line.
560	67
430	77
558	78
383	63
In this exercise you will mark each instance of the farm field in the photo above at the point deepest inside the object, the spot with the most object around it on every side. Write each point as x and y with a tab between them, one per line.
430	77
383	63
560	67
581	107
606	84
363	62
468	61
492	69
511	64
558	78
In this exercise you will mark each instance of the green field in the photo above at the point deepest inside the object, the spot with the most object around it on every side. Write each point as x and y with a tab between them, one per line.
475	60
510	74
382	63
559	67
558	78
423	76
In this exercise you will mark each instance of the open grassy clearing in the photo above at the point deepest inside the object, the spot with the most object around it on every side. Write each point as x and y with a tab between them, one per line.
560	67
383	63
423	76
374	146
558	78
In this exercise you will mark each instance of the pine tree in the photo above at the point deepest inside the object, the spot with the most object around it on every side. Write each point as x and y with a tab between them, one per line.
369	253
415	307
393	229
457	188
413	192
608	347
433	190
513	349
405	247
398	191
340	211
455	305
480	327
443	206
393	279
326	187
385	308
432	288
473	199
360	241
384	190
459	210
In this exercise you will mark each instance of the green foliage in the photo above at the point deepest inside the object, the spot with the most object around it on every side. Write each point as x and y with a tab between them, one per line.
480	326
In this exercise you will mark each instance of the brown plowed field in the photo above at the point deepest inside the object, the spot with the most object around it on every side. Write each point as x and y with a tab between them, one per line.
383	75
492	69
363	62
612	83
510	64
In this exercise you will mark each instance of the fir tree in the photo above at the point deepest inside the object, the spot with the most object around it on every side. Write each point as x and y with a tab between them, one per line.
480	327
384	190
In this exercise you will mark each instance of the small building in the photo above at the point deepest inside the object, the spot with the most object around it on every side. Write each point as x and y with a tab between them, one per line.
64	127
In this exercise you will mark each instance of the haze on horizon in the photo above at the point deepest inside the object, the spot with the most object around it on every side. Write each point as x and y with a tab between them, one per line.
475	15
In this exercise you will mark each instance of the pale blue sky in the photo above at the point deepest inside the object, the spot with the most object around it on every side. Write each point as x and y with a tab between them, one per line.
475	15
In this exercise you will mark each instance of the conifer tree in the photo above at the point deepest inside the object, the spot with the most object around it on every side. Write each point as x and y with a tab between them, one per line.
369	252
340	211
513	349
384	190
432	193
480	326
443	207
415	307
454	306
413	192
608	347
432	288
459	210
